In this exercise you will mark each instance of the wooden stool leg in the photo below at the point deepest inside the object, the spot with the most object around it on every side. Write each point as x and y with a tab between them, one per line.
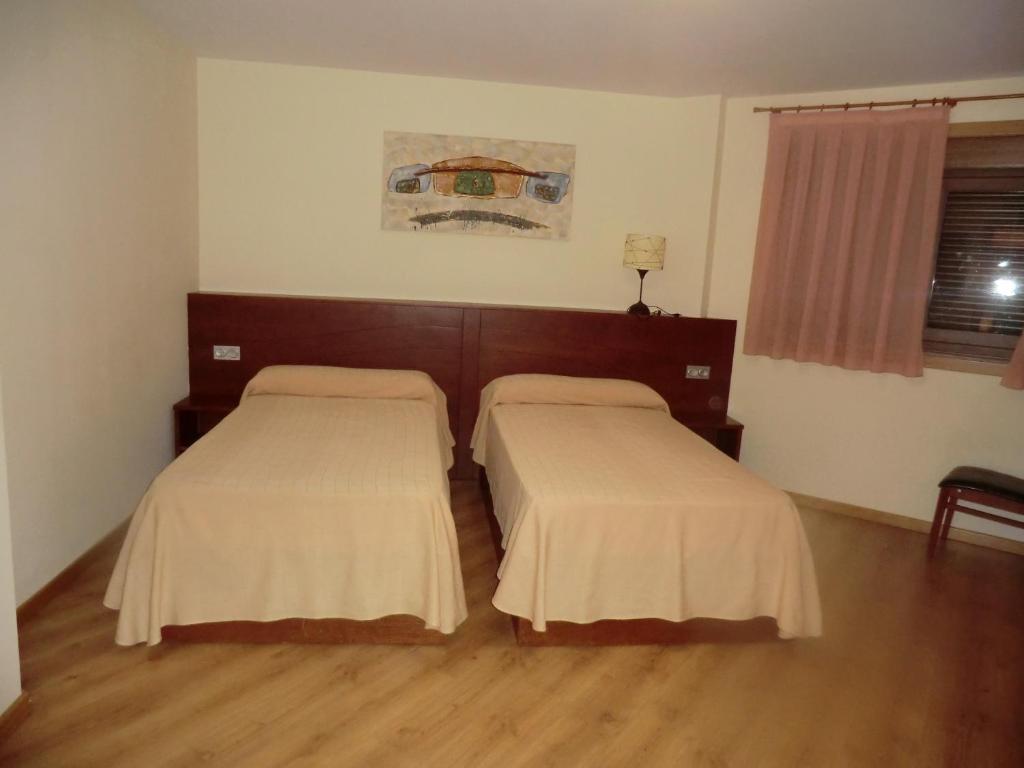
938	522
951	501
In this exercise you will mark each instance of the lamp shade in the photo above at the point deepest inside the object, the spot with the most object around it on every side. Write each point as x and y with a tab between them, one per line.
644	252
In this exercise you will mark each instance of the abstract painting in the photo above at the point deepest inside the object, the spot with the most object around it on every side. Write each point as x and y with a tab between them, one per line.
435	183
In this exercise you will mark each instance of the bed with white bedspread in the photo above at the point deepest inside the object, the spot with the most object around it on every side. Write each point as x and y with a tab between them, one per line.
323	495
611	509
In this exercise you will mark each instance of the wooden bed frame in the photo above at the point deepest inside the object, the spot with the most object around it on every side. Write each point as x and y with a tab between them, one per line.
389	630
462	347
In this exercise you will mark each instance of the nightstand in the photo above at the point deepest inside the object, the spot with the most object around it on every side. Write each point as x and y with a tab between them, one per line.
725	435
195	416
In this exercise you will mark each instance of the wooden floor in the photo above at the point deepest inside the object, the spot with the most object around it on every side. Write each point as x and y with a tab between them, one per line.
921	665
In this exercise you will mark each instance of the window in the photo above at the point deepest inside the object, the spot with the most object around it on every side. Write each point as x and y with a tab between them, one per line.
976	309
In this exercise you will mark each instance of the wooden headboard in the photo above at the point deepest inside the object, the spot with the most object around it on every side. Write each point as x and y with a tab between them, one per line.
461	346
281	330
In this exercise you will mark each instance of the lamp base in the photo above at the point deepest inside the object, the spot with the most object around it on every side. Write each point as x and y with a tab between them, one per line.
639	309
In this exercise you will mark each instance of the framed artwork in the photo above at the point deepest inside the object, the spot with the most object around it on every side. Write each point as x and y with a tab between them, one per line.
435	183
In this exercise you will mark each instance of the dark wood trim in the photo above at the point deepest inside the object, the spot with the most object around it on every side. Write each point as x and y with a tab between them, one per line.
985	152
388	630
940	362
626	631
982	179
1003	341
397	302
986	179
202	404
469	392
195	416
989	128
63	580
15	715
993	348
726	437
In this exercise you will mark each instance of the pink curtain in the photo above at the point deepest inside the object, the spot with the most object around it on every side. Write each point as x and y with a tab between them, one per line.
846	242
1014	377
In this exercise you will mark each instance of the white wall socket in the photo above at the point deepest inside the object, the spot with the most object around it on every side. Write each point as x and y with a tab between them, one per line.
698	372
223	352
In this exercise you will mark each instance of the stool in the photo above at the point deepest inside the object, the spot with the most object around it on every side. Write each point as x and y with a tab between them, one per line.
980	486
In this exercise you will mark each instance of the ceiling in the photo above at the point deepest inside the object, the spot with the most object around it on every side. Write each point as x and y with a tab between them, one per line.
664	47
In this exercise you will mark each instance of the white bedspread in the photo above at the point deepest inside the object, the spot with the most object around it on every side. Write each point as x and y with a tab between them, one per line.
297	506
622	513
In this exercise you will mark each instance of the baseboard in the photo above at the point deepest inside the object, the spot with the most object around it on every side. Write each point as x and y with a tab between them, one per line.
14	716
908	523
62	580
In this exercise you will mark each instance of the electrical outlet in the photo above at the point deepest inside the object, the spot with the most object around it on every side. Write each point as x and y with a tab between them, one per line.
222	352
698	372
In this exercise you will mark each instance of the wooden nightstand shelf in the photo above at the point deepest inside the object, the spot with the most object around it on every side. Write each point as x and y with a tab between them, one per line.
725	435
195	416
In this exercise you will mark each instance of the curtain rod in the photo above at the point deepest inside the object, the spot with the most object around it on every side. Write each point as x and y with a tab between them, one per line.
947	100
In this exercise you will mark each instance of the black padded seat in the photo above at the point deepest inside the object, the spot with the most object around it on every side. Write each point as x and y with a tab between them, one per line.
986	481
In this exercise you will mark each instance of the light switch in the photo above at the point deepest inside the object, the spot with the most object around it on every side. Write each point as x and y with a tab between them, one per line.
702	372
224	352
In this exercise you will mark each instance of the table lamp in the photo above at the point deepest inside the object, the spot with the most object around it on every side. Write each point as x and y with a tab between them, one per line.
643	253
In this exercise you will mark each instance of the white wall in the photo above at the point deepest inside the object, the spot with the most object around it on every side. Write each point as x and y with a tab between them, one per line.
10	667
875	440
290	170
98	245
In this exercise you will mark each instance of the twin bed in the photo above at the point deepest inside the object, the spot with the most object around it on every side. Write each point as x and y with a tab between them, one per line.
322	498
612	514
319	510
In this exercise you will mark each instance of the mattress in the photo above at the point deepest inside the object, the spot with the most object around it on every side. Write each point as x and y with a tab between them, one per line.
298	506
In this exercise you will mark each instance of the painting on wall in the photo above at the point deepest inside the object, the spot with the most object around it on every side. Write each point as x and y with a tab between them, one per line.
434	183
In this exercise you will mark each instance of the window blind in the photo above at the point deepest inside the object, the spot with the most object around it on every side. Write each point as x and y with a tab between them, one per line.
979	273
